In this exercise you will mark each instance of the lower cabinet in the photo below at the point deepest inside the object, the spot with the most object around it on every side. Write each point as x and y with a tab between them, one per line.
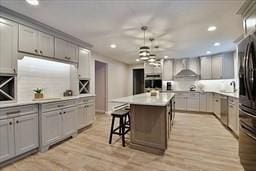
18	131
26	133
216	105
233	115
7	149
58	125
85	114
187	101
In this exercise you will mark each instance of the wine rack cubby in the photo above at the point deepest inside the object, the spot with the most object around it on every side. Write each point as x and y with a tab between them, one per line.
7	88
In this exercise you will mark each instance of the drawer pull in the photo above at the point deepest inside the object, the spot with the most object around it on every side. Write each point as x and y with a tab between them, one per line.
60	105
14	112
60	113
17	122
10	123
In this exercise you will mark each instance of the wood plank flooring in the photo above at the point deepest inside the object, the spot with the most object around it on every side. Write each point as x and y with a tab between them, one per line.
198	143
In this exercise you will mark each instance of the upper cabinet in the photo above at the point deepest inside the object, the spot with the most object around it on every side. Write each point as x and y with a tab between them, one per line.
35	42
194	65
151	69
65	50
248	12
206	68
8	46
223	66
84	64
168	70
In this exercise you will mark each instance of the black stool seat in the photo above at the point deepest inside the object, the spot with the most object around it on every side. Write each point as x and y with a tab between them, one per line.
124	124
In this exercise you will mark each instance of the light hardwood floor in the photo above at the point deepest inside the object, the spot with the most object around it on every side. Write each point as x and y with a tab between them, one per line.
198	143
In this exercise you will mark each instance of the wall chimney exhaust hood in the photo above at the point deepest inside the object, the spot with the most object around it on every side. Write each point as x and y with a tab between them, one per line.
186	72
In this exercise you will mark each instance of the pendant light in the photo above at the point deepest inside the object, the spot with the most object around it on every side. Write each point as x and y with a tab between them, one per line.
152	56
144	50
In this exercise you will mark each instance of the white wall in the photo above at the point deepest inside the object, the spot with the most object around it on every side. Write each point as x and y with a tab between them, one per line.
52	77
100	86
117	74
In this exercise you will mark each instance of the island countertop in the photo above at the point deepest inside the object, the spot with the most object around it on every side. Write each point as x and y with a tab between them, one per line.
162	99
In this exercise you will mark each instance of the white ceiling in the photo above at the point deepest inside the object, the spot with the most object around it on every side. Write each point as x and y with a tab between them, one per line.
179	26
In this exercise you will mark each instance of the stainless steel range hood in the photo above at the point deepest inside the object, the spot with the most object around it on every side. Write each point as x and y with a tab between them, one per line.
186	72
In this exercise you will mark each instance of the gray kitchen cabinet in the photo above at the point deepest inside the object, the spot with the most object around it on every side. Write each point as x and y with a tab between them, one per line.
66	51
168	70
209	102
35	42
8	46
203	102
151	69
233	115
84	64
69	121
26	133
51	127
181	103
193	102
223	66
7	150
90	113
248	12
81	116
18	131
206	68
216	105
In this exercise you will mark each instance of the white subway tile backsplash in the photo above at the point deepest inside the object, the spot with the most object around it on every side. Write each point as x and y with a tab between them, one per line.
53	77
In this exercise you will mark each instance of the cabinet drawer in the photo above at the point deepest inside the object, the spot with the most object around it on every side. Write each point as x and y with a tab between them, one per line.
18	111
58	105
194	95
181	94
87	100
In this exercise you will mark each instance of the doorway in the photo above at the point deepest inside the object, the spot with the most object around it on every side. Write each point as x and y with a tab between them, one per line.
138	81
100	87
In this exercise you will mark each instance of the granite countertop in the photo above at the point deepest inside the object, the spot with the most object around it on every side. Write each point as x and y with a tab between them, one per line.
47	100
162	99
231	94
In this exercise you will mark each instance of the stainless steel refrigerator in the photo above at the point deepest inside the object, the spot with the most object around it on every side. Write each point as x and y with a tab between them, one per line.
247	102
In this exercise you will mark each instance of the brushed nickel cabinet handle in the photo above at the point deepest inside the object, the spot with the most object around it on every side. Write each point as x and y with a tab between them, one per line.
36	50
41	52
14	70
10	123
60	113
13	112
17	122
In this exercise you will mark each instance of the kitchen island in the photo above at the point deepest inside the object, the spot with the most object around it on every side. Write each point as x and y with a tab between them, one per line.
151	120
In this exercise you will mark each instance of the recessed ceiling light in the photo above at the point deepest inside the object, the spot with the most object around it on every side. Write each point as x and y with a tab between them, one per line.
165	57
113	46
208	52
137	60
212	28
217	44
33	2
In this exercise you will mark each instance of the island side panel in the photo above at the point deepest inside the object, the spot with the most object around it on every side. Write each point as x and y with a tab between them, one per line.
149	128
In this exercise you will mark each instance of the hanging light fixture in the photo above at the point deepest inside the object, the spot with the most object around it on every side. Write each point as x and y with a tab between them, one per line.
144	50
152	56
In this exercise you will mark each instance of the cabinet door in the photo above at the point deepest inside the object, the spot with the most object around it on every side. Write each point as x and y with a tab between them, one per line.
168	70
46	45
232	121
181	103
26	133
250	21
206	68
216	67
28	40
209	102
203	102
8	46
69	121
6	139
90	114
60	49
194	65
71	52
193	104
217	107
81	116
51	127
84	64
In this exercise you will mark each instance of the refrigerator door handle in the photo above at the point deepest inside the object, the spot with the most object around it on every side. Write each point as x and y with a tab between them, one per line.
249	71
246	72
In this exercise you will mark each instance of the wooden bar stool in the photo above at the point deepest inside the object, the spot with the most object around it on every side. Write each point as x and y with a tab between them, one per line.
124	124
